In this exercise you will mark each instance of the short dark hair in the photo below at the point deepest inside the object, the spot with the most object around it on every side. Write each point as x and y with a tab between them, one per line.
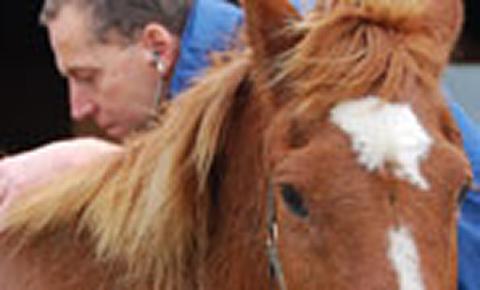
125	16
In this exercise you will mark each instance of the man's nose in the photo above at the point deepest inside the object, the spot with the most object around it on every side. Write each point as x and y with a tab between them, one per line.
82	105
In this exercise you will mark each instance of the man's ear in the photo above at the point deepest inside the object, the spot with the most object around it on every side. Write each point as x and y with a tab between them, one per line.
161	43
267	21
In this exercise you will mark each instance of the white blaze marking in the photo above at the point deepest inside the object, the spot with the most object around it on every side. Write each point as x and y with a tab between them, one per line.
385	133
403	254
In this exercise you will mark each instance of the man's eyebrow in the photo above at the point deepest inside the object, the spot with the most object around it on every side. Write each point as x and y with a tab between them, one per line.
72	70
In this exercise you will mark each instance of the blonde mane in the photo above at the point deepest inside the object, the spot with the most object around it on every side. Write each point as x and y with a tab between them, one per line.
148	206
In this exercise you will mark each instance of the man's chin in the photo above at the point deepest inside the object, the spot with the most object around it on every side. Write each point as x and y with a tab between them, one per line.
116	132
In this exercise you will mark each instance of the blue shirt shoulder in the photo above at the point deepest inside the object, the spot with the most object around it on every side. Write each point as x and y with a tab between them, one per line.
211	26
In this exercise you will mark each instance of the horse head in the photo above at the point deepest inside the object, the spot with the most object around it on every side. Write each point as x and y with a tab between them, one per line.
366	165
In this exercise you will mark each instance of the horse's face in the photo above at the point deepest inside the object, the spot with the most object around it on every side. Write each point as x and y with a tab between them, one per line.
365	191
344	226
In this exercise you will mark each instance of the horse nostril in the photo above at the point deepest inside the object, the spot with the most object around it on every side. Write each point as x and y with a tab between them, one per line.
294	200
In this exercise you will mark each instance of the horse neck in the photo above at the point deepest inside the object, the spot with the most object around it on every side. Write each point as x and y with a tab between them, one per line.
236	254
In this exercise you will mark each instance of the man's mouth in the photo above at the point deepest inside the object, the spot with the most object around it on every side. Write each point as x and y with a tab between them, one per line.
116	132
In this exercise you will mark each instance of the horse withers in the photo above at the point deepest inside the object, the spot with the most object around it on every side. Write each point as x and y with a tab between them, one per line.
321	157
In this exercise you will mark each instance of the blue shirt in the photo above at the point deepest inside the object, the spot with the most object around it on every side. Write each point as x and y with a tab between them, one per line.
469	223
211	26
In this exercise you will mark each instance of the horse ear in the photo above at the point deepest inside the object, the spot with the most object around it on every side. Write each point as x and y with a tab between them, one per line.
267	21
449	14
457	18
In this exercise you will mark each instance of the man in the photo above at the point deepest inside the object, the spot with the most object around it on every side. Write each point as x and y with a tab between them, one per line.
121	58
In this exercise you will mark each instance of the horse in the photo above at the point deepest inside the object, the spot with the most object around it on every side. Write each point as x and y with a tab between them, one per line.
320	156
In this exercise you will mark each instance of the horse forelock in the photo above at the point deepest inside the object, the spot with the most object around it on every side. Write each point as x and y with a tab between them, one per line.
146	208
359	48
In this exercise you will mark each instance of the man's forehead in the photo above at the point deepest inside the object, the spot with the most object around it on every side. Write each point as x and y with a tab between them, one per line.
71	37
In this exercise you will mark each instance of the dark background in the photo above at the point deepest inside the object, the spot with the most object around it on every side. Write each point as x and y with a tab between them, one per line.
468	49
33	103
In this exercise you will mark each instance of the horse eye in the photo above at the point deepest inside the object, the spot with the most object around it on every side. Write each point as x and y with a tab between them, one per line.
294	200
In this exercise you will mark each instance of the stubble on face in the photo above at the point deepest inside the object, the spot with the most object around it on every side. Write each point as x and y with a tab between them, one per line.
122	81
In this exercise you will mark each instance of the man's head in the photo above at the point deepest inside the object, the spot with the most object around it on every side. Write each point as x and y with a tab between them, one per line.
107	49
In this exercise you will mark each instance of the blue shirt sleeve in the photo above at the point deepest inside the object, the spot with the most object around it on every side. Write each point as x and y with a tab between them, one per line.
469	223
211	26
470	134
